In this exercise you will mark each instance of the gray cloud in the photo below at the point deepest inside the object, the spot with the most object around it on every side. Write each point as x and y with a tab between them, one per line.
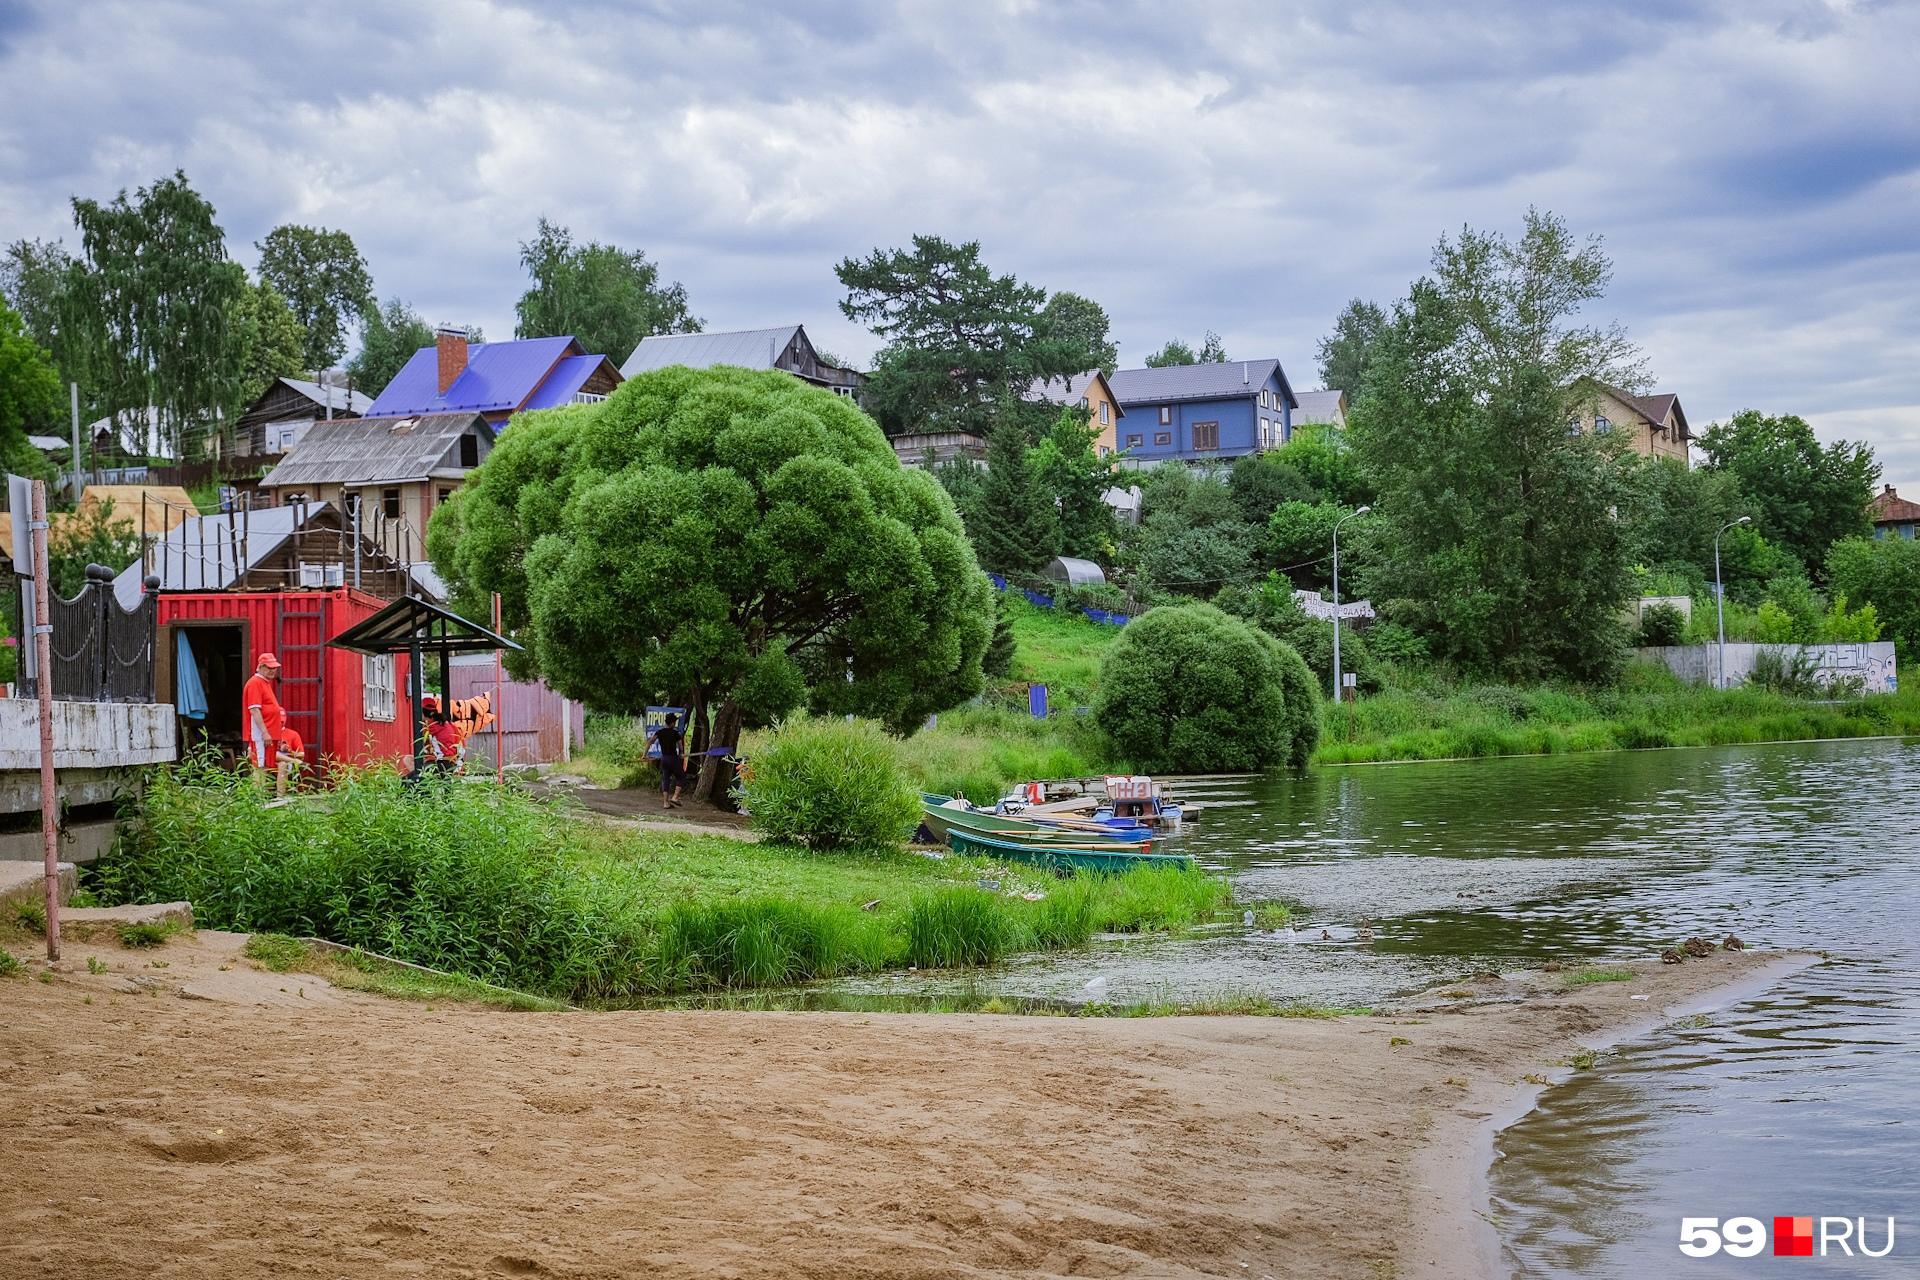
1248	168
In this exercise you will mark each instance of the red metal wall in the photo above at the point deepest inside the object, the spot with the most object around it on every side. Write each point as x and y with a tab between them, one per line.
320	687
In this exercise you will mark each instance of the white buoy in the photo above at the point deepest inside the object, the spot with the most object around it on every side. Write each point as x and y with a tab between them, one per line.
1246	918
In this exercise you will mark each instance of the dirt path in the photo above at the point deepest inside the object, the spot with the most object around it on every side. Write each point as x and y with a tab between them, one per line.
277	1128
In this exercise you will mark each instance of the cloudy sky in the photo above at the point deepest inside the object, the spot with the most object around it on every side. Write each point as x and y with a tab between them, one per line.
1753	165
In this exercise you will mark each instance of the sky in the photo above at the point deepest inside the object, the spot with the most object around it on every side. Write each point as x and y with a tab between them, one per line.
1752	165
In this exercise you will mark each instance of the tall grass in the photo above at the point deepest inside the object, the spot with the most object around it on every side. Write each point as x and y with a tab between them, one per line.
978	751
1428	716
494	886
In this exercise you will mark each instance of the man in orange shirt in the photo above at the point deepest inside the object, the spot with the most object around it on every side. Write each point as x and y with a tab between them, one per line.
264	722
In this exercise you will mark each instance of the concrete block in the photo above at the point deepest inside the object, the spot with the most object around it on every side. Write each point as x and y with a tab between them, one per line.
87	735
81	923
26	882
79	842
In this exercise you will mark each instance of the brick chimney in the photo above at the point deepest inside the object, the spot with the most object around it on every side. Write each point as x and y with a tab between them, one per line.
451	345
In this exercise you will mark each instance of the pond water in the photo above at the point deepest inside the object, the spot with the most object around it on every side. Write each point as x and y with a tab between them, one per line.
1800	1102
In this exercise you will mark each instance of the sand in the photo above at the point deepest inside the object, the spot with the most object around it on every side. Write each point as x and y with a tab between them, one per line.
207	1118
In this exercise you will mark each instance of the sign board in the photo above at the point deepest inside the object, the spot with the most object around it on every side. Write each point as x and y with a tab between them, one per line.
20	503
654	720
1350	680
1136	787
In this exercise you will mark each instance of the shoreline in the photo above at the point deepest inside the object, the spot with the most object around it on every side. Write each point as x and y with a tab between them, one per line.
1605	751
222	1117
1464	1166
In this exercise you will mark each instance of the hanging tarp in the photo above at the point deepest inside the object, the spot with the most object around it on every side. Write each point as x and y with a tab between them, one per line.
189	695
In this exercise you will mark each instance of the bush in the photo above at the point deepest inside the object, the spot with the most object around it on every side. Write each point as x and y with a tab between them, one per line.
1190	688
1784	672
1862	626
1662	625
831	784
1097	595
958	926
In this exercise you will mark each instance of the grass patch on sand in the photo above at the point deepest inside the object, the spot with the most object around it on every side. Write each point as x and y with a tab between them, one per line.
1587	977
492	885
361	971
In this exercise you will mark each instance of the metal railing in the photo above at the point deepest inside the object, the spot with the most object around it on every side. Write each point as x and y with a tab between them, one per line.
101	652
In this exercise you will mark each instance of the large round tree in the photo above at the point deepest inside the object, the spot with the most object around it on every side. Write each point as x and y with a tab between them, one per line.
738	540
1190	688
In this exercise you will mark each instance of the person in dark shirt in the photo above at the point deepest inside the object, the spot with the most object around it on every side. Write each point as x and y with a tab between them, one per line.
673	771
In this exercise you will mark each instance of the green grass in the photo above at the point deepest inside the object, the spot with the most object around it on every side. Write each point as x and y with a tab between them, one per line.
1587	977
150	933
497	887
1426	716
360	971
978	752
1058	649
9	964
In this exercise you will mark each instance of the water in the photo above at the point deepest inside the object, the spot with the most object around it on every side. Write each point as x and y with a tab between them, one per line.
1797	1103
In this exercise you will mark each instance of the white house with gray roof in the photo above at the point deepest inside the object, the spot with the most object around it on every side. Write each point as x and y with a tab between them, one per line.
787	348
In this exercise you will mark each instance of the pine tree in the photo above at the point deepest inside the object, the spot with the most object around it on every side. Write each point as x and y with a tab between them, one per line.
1017	529
998	661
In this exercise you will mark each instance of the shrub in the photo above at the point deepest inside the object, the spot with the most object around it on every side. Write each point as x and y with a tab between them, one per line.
1394	642
831	784
1773	624
1840	627
1662	625
1099	595
1789	672
1189	688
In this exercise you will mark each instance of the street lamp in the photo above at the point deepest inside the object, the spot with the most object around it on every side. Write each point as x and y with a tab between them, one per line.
1720	604
1337	694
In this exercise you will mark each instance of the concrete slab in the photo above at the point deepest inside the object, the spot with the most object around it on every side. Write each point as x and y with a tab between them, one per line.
80	923
25	882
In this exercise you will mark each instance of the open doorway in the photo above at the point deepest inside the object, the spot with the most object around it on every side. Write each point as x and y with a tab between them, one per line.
218	652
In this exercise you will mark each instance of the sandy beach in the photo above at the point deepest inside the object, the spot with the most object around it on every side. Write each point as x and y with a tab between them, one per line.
206	1117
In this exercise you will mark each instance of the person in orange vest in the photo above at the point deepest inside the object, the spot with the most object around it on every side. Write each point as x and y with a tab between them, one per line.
265	722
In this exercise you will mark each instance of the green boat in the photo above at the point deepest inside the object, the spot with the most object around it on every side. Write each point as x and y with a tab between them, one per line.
942	817
1062	857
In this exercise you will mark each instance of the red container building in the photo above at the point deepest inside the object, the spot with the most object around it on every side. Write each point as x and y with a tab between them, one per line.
345	706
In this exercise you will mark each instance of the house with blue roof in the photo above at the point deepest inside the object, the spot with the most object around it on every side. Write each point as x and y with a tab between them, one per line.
495	379
1203	412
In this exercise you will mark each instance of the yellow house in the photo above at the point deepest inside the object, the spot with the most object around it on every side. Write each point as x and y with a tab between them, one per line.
1654	426
1091	392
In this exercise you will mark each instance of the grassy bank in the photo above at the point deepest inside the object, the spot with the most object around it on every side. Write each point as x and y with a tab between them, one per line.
497	887
1429	717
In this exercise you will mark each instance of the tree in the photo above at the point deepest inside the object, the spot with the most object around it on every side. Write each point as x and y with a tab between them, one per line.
37	280
1212	351
1324	458
607	297
1260	482
325	283
1500	534
998	661
1885	573
30	399
1015	528
1074	478
1190	539
92	535
1804	497
270	345
737	539
962	344
154	298
1347	352
389	337
1189	688
1081	324
1300	543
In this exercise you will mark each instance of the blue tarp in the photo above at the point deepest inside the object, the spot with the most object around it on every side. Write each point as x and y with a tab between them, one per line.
189	695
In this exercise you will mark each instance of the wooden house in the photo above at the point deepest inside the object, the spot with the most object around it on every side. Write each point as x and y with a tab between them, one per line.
786	348
275	422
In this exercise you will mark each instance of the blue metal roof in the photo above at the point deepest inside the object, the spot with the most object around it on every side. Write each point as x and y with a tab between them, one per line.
1197	382
567	377
499	377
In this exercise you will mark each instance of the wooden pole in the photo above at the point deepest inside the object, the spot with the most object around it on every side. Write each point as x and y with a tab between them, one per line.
43	656
500	708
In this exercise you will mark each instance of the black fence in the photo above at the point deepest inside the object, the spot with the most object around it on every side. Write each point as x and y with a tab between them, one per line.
101	652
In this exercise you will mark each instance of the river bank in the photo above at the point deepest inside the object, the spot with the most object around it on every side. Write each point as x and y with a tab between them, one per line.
278	1124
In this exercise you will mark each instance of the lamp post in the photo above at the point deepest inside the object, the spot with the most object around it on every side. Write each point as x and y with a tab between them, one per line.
1720	604
1338	693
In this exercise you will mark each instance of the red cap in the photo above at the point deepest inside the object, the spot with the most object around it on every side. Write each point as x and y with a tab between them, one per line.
428	700
267	660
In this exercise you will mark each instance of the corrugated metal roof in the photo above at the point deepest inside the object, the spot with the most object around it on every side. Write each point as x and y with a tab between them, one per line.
358	451
748	348
200	555
344	400
567	378
1197	382
499	377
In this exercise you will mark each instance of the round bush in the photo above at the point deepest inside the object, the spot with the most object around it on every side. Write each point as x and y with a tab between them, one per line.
1662	624
830	784
1189	688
